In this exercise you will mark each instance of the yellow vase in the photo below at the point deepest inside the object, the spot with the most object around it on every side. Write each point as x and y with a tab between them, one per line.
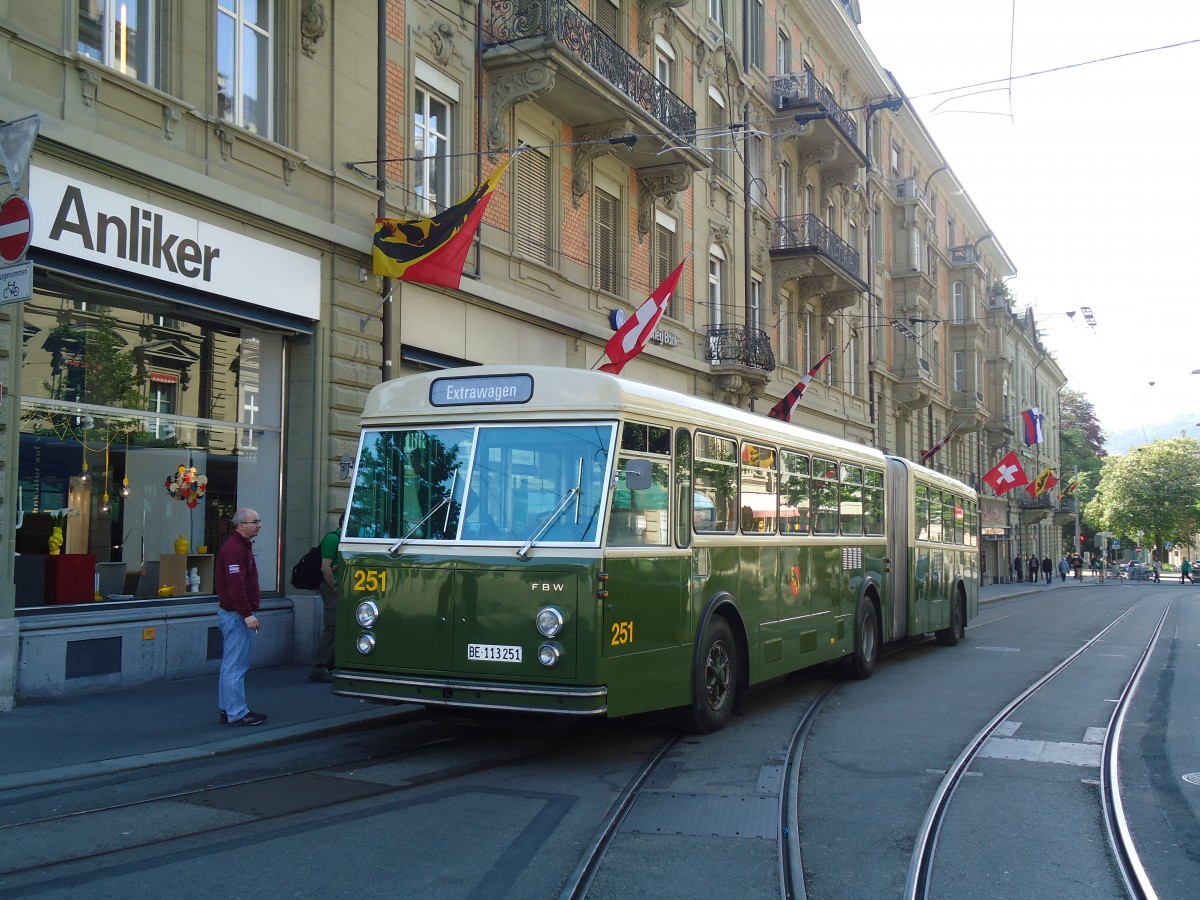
55	541
181	545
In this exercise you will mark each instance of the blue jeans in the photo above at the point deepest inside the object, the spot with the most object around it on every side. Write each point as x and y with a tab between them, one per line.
235	662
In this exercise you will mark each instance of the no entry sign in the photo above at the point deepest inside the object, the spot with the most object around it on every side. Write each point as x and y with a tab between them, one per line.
16	228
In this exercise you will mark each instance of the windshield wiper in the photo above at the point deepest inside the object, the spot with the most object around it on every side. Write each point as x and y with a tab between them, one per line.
395	548
576	491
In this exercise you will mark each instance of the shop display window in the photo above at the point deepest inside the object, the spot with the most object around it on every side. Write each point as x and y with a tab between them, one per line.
144	426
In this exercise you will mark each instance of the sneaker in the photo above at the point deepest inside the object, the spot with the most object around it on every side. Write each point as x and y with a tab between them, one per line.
224	718
250	718
322	675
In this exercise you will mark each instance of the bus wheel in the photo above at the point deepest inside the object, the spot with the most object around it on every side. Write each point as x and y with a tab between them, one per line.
715	679
956	631
866	640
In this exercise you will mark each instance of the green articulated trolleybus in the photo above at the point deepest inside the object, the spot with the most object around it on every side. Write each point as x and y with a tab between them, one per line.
570	543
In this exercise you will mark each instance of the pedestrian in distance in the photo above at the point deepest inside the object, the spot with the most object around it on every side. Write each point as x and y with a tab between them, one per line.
1154	568
238	596
1018	568
1185	572
1033	568
1064	566
1048	569
322	661
1077	563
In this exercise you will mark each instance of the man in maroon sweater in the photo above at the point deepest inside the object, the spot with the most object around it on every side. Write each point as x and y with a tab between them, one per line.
238	593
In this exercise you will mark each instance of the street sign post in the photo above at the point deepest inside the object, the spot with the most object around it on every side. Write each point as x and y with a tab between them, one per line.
16	283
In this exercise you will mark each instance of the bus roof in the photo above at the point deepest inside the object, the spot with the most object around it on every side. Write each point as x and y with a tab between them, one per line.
554	392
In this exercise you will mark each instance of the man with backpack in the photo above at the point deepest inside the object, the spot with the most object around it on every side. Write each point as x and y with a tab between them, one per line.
322	660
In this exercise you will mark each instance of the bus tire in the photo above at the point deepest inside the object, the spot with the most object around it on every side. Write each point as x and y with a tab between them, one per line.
956	631
866	640
715	679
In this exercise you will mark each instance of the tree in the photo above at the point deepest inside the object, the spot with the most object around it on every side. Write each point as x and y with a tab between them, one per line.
1155	488
1082	444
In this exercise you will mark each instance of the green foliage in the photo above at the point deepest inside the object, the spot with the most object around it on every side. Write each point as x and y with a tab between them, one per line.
1154	488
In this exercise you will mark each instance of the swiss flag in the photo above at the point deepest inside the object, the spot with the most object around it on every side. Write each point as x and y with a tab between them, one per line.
1006	474
631	337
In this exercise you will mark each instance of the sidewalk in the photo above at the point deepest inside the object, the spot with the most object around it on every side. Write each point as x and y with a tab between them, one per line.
47	741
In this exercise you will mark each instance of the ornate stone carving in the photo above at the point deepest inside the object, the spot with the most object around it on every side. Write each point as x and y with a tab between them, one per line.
814	286
171	118
795	268
653	10
225	136
718	233
817	156
835	301
509	88
313	24
91	84
441	40
592	145
659	183
289	169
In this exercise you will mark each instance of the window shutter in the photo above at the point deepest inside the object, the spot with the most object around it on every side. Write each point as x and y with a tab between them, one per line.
533	213
605	218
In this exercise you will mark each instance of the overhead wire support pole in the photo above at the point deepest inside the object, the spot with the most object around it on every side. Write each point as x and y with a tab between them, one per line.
381	132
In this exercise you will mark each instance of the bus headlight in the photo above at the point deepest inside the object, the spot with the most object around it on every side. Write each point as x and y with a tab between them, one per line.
549	654
550	621
366	643
367	614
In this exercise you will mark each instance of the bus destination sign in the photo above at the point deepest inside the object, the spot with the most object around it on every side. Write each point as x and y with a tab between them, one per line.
481	389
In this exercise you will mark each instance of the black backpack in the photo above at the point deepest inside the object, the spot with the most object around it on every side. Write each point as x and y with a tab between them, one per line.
306	574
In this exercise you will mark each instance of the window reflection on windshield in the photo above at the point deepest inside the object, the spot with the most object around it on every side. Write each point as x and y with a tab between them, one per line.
494	483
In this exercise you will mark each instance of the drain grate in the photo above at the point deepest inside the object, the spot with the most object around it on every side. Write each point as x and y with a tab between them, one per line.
1192	778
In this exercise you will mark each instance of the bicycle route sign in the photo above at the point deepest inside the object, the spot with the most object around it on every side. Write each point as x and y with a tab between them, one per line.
16	283
16	228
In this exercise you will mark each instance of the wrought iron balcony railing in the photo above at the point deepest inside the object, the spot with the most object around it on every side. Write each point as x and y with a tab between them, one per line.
800	89
737	344
510	21
808	232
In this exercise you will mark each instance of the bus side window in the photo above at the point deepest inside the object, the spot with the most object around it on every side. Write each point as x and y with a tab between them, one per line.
825	496
683	487
793	493
716	490
922	512
639	512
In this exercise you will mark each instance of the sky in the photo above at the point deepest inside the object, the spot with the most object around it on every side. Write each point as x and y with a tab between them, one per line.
1088	175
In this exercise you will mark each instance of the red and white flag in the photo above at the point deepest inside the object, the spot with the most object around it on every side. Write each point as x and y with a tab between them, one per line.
787	405
1006	474
928	454
631	337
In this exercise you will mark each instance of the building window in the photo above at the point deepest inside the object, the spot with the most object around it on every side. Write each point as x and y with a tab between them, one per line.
852	365
783	188
664	61
431	143
161	403
718	122
716	284
783	53
895	163
959	303
758	32
606	238
754	303
831	347
716	12
126	405
533	205
810	332
608	15
960	370
664	260
787	331
758	184
245	85
120	34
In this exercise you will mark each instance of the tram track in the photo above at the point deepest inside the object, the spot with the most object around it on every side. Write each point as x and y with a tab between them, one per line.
18	880
918	881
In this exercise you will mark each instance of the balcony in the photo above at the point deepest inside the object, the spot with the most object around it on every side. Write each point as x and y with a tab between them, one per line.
802	93
968	412
530	43
967	257
909	192
742	361
915	387
805	247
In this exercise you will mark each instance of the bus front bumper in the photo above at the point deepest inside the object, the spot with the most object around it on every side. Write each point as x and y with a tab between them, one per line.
463	693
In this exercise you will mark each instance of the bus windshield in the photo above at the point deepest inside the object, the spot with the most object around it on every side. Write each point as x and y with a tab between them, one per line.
493	483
